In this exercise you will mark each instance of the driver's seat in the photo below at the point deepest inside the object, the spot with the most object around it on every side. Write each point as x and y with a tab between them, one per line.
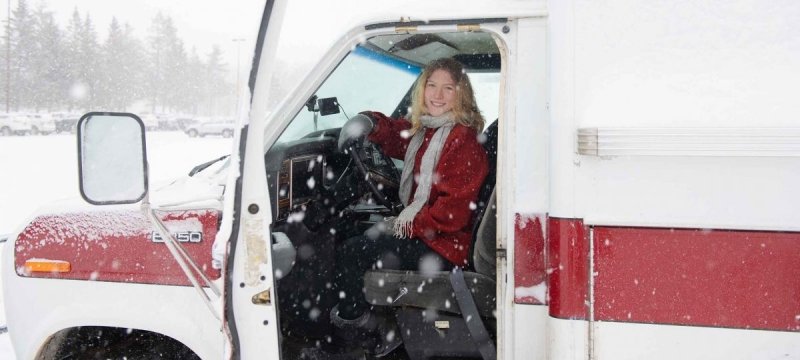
427	306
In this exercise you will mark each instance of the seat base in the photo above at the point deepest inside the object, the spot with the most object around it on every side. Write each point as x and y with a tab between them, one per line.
428	290
430	333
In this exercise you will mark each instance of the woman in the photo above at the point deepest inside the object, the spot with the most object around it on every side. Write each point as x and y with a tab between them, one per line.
445	166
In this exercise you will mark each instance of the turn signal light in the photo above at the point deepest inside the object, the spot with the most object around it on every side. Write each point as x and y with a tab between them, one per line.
49	266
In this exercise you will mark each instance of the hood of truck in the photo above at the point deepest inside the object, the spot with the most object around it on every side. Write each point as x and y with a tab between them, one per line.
71	239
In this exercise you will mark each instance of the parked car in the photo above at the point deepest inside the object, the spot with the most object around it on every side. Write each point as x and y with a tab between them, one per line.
168	122
185	122
41	124
223	128
65	122
150	121
12	124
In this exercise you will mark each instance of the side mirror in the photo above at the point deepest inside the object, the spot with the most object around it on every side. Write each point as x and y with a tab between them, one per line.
112	162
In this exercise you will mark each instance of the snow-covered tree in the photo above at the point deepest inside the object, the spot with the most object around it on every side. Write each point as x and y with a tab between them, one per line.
215	86
23	50
51	85
51	69
194	94
120	83
83	58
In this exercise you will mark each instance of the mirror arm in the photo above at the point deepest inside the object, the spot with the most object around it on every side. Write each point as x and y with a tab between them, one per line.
183	259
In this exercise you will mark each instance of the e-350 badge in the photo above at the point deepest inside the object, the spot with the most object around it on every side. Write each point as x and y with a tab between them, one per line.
181	236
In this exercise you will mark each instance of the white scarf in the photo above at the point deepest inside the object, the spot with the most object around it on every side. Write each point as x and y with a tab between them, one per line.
404	223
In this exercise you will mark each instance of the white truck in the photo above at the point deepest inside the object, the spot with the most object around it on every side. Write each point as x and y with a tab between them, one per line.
647	156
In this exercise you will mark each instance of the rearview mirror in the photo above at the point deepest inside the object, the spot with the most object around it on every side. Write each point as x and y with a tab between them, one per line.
328	106
112	162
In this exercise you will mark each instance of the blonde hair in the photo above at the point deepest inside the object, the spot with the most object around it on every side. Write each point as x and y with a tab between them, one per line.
465	109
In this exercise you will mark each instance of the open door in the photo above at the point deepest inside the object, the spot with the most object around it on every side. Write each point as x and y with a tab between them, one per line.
249	308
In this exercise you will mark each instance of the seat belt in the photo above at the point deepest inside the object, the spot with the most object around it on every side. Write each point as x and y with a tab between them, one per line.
471	316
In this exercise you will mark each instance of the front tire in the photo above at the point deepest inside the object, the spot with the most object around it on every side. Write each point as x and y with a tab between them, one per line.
192	133
114	343
6	131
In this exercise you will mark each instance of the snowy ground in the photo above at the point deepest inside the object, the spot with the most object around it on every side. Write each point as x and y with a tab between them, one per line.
35	170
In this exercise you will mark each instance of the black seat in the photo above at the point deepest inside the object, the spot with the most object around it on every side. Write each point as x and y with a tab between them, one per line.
426	305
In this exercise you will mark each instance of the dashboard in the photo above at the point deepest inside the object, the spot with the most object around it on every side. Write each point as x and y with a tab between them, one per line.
298	170
296	182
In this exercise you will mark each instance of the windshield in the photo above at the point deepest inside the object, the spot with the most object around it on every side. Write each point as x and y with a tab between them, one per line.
369	80
364	80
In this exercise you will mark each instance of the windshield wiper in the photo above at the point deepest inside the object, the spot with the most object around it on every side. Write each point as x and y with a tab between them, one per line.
205	165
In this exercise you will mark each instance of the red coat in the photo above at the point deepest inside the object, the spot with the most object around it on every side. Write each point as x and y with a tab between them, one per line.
445	222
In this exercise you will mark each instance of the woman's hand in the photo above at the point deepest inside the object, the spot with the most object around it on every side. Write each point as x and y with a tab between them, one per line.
355	130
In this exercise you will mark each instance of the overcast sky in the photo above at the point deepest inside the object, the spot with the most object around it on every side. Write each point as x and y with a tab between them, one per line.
200	23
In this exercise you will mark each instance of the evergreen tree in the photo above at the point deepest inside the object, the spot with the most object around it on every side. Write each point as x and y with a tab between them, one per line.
134	53
118	85
4	78
51	86
215	86
51	69
71	57
83	57
23	49
90	55
194	93
175	64
157	47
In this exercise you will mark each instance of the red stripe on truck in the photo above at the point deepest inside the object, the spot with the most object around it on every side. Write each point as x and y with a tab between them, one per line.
529	268
116	246
568	267
715	278
720	278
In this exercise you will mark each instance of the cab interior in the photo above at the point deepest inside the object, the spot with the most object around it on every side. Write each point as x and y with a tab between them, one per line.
323	196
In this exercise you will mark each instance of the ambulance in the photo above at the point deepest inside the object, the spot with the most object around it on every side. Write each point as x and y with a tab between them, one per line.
643	198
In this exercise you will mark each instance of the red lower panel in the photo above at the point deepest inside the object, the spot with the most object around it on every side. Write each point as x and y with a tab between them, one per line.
735	279
568	264
117	246
529	269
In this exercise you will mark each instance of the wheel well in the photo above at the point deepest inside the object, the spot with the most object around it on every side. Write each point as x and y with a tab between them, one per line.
100	342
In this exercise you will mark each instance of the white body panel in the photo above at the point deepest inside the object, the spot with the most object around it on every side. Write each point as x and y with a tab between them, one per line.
692	67
522	182
530	332
655	66
567	339
625	341
38	308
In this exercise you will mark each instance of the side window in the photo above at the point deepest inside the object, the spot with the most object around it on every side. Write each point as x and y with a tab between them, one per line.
364	80
486	86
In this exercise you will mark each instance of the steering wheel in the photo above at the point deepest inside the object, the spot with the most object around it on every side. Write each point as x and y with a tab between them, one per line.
378	172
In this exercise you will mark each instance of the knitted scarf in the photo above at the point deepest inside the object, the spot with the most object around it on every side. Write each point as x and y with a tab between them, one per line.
404	223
